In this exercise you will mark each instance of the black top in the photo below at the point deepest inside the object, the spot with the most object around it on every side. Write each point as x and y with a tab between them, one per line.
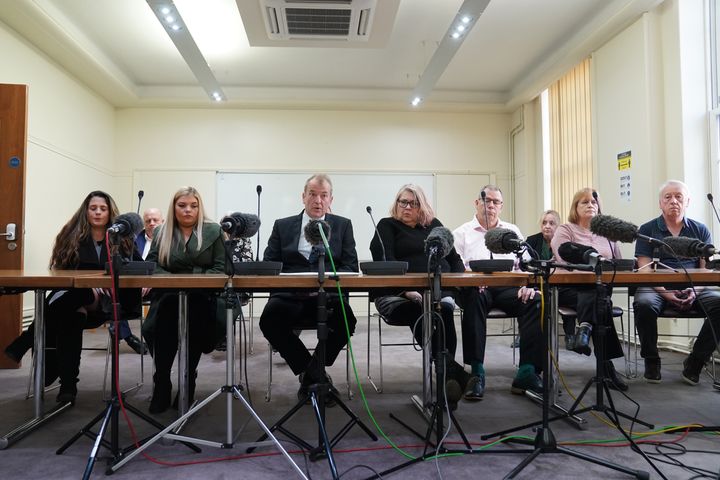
538	243
407	244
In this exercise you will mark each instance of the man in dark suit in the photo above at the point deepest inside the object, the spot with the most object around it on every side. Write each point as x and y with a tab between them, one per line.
286	311
152	217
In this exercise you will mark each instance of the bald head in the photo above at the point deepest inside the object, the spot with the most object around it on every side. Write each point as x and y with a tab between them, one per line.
152	218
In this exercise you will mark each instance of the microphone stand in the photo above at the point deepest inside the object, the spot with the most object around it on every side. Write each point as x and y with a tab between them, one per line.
545	441
231	390
109	415
319	392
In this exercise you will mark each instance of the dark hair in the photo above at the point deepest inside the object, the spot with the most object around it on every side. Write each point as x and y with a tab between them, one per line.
65	251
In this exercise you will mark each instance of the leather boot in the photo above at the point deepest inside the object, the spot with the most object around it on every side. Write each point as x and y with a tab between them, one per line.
162	388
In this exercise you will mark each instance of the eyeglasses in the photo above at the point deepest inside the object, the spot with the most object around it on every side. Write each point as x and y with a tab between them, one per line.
497	203
408	203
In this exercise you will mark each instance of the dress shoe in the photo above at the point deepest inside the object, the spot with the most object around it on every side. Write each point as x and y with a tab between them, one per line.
652	370
304	391
582	339
67	393
615	382
475	389
136	344
530	382
692	366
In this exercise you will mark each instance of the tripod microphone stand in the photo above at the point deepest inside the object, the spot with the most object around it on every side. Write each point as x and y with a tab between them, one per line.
230	389
545	441
109	415
320	392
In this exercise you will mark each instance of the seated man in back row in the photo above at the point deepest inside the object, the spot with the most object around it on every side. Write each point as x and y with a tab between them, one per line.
285	311
522	303
650	301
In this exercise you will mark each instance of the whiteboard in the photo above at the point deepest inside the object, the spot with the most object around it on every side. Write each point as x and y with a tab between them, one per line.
282	197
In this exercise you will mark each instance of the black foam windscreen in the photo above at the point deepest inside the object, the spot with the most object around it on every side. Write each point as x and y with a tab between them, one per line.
688	247
577	253
127	224
242	225
312	231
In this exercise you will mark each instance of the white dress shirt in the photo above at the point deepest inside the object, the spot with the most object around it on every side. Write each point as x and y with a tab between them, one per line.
470	242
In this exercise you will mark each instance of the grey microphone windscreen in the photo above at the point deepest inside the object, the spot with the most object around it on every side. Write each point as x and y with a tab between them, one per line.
242	225
439	241
501	240
688	247
613	229
127	224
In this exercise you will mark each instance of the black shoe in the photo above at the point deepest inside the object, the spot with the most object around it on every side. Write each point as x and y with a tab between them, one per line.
652	370
475	389
67	393
716	384
161	398
582	339
19	347
692	366
136	344
304	390
570	342
615	382
13	354
221	345
530	382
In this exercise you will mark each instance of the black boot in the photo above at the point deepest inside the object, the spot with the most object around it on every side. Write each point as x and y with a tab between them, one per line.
162	388
69	348
68	391
19	347
615	382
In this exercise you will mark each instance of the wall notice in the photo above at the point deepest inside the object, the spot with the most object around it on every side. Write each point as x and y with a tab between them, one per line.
624	167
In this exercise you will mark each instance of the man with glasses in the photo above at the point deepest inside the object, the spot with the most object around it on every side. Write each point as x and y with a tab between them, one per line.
286	311
649	302
522	302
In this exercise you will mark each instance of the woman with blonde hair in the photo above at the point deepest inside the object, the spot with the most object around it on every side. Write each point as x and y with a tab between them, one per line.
186	243
403	235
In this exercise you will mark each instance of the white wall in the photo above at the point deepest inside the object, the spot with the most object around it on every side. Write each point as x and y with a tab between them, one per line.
190	145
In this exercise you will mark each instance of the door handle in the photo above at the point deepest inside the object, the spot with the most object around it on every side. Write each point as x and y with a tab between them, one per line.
9	232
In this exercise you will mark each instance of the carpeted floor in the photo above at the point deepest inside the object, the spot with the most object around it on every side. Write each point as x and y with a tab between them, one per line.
667	404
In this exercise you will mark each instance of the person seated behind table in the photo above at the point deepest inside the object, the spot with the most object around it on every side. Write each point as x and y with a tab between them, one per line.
403	235
540	243
285	311
80	245
586	205
187	243
523	302
650	301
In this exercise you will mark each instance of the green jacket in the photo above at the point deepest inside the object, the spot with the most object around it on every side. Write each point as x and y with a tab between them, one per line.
188	259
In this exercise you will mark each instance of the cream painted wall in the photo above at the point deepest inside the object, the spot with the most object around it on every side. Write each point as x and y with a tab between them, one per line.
70	143
191	144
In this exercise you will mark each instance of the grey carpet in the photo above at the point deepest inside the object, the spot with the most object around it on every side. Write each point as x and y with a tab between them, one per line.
670	403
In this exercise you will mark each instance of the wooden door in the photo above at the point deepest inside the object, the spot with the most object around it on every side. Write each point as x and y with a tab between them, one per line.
13	155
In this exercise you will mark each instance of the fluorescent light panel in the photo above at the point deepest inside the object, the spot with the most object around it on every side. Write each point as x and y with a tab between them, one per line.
171	20
461	25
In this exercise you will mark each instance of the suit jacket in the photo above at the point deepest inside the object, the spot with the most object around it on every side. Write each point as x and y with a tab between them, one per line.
140	242
283	245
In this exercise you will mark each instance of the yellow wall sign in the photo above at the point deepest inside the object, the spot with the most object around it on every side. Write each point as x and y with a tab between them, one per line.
624	160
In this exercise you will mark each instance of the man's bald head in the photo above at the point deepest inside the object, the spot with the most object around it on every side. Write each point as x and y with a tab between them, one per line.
152	218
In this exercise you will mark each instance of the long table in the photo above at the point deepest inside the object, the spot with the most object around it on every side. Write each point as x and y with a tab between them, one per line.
18	281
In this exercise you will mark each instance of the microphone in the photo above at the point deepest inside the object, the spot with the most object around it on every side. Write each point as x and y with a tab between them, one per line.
502	240
258	189
487	222
382	245
617	230
243	225
595	196
578	253
710	199
439	242
127	224
312	232
141	194
689	247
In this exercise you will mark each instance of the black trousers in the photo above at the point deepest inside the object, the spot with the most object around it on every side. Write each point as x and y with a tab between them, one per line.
582	300
477	304
201	332
287	312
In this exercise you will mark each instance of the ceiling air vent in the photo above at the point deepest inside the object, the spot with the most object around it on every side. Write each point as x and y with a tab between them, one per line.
349	20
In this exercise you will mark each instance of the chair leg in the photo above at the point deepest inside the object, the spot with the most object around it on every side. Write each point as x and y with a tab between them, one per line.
268	392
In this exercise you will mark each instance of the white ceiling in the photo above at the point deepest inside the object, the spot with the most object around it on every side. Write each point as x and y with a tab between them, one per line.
517	47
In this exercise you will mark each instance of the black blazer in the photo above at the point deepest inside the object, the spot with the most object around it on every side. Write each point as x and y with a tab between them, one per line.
536	242
283	245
